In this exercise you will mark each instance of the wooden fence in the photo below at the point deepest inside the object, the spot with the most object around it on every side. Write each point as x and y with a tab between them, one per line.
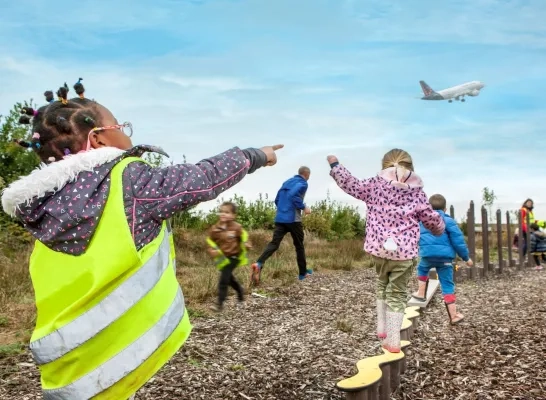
493	242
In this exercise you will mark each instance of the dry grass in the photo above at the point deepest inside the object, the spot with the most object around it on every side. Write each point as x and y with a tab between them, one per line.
196	273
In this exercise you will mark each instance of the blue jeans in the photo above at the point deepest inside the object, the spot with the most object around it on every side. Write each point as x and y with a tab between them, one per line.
444	271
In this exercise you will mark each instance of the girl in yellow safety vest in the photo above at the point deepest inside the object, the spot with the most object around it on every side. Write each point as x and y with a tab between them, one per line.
110	311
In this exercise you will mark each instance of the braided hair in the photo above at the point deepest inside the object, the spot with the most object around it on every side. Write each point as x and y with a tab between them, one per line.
61	127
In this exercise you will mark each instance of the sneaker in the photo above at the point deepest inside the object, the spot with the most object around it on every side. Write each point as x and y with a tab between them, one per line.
307	272
256	272
539	268
217	308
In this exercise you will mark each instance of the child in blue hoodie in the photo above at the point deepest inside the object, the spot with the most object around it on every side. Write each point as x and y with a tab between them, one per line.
439	252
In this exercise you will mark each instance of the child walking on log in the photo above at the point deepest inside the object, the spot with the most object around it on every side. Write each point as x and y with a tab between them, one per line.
228	242
396	204
110	311
439	252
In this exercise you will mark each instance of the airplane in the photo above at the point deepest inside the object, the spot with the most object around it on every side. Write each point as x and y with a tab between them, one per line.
456	92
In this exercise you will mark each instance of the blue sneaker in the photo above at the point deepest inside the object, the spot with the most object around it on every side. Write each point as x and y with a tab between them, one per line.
307	272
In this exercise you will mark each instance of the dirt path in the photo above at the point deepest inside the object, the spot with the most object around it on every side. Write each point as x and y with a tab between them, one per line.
297	343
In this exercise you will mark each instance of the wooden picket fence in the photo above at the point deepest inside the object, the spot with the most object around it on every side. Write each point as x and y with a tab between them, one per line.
494	242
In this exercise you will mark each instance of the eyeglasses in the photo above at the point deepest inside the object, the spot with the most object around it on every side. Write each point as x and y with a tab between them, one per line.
126	128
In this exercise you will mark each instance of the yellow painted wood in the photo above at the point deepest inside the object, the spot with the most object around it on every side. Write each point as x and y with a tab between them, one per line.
411	313
406	323
369	370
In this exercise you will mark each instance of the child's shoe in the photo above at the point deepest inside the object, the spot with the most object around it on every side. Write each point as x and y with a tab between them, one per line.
381	315
539	268
307	272
217	307
256	271
421	293
454	316
394	324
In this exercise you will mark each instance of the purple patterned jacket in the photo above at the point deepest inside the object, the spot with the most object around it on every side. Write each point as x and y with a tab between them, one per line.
396	203
61	203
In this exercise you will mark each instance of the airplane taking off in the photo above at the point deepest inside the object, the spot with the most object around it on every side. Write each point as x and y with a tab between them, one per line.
456	92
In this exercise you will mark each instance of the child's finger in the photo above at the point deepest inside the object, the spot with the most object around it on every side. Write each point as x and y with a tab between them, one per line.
277	146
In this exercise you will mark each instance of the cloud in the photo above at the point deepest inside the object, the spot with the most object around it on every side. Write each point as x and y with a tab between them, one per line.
199	77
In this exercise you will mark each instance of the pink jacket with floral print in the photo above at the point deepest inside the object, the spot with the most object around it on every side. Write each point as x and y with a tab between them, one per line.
396	204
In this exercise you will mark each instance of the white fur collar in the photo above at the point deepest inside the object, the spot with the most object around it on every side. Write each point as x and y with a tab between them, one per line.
52	177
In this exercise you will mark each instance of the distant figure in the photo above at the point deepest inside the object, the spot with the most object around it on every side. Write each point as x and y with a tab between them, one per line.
228	242
526	208
289	202
538	245
396	204
439	252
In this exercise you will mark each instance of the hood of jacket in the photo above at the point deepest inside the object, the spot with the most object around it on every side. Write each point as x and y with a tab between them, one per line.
401	177
60	203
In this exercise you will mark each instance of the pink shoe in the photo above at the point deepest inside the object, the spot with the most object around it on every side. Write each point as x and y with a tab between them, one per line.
539	268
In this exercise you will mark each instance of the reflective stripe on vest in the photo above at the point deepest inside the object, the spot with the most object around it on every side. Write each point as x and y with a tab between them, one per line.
112	307
126	361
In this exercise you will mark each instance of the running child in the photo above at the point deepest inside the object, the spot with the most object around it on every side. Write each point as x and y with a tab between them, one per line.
396	204
228	242
110	311
439	252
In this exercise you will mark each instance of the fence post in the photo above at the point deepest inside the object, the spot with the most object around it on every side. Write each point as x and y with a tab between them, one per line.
471	234
530	260
499	240
452	211
509	236
520	241
485	242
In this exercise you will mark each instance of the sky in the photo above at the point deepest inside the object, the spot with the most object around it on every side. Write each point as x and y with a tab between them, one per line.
322	77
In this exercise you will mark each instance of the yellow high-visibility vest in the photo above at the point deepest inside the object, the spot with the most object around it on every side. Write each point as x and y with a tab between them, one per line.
109	319
221	260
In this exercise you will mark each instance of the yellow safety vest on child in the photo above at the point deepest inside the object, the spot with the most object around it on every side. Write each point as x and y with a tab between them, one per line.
110	318
221	260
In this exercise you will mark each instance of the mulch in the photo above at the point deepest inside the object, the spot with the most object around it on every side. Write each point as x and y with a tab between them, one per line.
296	343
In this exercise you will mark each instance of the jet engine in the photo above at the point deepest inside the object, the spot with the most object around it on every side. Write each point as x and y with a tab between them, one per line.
475	92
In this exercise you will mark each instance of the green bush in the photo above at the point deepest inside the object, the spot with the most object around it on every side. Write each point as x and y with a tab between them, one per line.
328	219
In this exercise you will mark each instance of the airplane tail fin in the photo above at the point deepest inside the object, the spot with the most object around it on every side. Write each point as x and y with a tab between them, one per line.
427	90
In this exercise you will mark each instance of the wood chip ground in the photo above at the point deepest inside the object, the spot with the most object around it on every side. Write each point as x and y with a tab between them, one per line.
298	342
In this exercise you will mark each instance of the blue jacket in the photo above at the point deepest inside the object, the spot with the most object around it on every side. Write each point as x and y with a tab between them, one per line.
538	242
443	248
289	200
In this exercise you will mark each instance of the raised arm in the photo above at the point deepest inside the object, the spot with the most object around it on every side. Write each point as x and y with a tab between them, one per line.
430	218
456	238
165	191
358	188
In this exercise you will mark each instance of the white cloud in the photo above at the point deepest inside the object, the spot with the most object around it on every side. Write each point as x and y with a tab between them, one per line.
296	87
211	83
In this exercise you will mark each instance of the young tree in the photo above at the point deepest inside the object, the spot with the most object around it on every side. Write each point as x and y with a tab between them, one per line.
488	199
14	160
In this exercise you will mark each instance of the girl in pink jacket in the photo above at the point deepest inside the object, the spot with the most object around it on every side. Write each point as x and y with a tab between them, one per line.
396	204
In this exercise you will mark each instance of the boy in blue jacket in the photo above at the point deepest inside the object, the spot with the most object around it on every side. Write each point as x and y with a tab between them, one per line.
439	252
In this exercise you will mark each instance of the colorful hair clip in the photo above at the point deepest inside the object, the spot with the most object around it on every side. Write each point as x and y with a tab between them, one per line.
51	159
36	135
66	151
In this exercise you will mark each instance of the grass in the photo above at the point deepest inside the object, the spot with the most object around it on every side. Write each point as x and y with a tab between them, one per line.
195	271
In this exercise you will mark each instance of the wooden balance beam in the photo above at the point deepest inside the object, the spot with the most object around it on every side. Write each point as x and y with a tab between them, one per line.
377	376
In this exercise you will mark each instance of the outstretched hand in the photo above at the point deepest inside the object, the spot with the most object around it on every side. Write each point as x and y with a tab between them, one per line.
332	159
270	153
